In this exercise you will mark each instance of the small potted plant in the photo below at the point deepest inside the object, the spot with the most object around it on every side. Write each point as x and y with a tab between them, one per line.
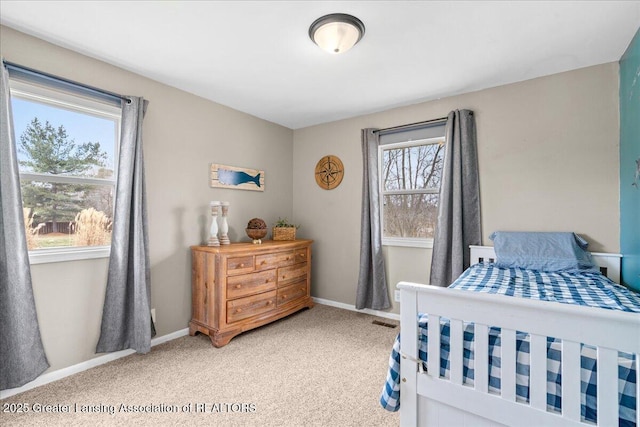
284	230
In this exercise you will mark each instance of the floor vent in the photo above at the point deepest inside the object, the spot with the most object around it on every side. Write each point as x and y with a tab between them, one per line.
388	325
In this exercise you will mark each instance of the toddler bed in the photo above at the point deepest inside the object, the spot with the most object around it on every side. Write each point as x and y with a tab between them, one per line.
564	351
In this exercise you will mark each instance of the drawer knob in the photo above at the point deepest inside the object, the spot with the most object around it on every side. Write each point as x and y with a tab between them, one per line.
240	265
238	310
238	286
266	281
269	302
302	255
287	259
263	262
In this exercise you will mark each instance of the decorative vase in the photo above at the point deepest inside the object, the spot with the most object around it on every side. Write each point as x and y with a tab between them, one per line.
256	230
256	234
213	231
224	226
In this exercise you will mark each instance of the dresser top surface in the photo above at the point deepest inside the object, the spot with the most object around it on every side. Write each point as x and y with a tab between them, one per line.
266	245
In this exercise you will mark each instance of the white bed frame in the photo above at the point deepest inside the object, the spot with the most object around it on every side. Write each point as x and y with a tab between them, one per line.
428	400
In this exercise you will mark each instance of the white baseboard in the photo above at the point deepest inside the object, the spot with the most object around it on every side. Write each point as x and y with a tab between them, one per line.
169	337
350	307
83	366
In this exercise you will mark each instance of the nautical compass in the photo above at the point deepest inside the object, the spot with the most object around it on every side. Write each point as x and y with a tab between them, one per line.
329	172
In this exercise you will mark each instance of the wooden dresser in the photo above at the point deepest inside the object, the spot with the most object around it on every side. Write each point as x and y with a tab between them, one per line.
241	286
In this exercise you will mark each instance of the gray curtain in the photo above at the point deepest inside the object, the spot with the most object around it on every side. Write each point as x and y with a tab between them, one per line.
22	356
126	316
459	206
372	289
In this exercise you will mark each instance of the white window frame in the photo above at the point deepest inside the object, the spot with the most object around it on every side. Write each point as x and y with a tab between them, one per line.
412	242
63	100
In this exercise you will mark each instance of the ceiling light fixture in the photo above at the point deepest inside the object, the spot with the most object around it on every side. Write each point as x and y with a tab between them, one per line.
337	32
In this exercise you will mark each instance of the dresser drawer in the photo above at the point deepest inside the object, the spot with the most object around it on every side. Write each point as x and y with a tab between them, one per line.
249	284
300	255
294	273
243	308
278	259
292	292
239	265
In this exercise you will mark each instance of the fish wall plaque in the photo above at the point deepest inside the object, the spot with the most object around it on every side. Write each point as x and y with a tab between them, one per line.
223	176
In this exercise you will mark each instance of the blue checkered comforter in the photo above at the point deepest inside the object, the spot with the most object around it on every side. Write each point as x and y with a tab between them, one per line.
589	289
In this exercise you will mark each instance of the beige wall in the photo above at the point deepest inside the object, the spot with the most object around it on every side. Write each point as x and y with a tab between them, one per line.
548	159
182	135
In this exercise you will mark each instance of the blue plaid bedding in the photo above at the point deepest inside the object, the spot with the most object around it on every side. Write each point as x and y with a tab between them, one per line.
589	289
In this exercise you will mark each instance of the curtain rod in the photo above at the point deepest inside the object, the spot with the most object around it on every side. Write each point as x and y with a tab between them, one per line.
441	119
22	68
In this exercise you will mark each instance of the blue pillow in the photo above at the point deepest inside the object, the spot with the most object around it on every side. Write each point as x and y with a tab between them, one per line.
543	251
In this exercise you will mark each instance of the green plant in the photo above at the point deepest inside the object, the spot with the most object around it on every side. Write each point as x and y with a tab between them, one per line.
285	223
52	151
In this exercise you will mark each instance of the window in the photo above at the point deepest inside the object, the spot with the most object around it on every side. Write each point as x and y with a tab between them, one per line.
410	177
67	151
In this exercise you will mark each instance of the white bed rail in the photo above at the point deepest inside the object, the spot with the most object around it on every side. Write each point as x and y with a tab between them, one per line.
610	331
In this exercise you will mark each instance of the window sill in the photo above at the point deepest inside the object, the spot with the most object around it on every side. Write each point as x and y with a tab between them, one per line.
45	256
408	242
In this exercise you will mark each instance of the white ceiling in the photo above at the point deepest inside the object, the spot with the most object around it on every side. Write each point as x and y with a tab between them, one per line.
257	57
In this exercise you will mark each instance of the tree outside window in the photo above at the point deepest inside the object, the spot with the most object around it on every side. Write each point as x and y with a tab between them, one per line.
410	175
66	154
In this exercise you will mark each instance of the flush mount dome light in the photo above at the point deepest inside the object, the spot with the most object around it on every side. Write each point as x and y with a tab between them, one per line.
337	32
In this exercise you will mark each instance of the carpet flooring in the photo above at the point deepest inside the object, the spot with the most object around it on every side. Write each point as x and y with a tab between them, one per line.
319	367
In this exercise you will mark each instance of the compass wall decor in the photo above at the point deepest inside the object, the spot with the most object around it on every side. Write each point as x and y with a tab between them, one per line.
329	172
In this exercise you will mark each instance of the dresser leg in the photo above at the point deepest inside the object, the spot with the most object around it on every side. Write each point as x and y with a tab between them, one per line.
220	339
194	328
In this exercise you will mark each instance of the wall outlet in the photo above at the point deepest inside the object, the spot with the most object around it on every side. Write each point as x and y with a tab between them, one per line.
153	315
397	295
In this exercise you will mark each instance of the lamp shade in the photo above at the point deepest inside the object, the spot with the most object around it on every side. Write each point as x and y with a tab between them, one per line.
336	33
